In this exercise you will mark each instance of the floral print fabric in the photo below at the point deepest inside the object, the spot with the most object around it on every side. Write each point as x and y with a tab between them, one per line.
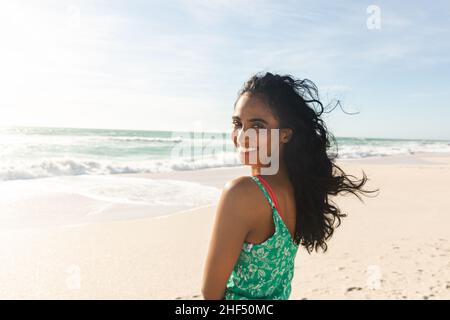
264	270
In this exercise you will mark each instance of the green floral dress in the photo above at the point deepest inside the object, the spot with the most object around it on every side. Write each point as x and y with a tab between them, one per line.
264	270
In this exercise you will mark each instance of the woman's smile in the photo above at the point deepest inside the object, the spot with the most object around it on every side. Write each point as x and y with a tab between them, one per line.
246	150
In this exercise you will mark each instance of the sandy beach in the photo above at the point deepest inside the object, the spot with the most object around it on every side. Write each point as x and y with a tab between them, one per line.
393	246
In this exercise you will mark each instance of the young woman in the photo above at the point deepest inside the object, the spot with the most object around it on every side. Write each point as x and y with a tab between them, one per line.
263	219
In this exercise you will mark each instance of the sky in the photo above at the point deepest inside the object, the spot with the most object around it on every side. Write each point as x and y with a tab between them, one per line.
178	65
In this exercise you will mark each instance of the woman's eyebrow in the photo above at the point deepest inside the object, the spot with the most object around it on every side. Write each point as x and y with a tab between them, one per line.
258	120
251	120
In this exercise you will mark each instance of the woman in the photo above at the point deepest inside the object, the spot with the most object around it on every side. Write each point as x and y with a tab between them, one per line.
263	219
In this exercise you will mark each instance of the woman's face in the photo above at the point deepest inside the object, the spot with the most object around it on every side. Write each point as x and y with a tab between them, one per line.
252	112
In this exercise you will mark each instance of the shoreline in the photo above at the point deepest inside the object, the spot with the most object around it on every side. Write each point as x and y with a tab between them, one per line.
210	177
393	246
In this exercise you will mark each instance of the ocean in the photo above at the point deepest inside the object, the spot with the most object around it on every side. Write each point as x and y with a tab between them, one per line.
40	166
35	152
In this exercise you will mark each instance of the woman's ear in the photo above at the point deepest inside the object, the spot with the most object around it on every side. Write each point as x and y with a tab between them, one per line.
286	134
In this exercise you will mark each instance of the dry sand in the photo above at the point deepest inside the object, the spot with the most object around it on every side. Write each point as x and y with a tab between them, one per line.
394	246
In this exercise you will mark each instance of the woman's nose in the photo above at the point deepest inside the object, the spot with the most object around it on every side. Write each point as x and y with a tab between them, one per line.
246	138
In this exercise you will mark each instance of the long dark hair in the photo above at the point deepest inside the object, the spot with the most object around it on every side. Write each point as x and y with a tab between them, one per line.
308	157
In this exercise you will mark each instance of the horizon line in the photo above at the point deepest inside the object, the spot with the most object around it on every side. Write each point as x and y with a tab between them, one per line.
206	131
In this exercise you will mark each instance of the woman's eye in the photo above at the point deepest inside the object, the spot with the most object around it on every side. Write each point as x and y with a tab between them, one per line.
255	126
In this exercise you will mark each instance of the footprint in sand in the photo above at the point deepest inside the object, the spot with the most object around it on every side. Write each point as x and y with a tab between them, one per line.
353	289
188	297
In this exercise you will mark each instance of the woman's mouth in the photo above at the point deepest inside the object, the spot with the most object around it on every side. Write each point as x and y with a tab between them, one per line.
243	150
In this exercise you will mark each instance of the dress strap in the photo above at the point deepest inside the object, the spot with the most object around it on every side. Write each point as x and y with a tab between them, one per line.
271	193
264	191
268	192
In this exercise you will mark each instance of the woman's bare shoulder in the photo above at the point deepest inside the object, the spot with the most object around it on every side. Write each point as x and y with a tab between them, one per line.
241	183
240	187
244	193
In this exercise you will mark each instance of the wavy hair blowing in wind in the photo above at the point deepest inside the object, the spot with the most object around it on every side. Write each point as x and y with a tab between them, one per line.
311	167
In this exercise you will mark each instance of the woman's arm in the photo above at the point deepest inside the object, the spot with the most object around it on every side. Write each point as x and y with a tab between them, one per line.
232	223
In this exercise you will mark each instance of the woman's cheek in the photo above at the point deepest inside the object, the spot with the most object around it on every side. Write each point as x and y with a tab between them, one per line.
264	145
234	134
